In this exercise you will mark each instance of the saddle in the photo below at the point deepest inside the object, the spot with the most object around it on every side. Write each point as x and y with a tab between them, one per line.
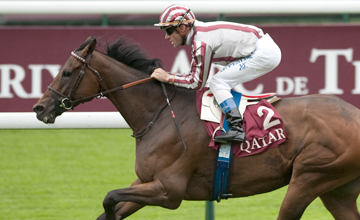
211	111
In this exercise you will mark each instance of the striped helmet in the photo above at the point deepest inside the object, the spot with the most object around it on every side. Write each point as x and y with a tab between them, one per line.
174	15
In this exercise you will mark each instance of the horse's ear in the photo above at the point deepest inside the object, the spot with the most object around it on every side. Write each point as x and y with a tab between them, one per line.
91	46
89	38
88	46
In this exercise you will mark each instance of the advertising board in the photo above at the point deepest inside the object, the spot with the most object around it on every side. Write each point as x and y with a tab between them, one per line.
315	59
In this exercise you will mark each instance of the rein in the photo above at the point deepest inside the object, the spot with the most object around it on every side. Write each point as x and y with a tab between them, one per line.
67	103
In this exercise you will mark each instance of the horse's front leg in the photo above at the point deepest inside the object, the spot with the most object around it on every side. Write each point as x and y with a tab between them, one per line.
123	210
152	193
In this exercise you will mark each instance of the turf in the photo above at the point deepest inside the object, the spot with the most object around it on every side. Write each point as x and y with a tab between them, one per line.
65	174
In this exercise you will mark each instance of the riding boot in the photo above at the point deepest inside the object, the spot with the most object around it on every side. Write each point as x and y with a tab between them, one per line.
233	117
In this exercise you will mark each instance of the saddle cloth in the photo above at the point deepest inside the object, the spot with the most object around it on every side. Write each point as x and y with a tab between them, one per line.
262	123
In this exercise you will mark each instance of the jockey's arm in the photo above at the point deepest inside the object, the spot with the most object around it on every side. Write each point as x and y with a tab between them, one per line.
200	65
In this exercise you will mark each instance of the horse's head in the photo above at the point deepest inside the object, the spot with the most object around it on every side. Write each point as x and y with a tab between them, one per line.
76	81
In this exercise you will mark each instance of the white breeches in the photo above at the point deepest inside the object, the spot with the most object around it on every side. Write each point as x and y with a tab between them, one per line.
265	58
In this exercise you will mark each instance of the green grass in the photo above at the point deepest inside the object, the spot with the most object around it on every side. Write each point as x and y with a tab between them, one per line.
65	174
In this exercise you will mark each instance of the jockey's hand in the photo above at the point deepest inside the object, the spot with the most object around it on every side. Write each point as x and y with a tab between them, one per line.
160	75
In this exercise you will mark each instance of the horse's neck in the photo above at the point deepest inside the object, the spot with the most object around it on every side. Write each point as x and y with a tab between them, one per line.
137	104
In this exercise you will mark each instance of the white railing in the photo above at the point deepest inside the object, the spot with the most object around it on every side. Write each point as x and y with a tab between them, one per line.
27	120
156	7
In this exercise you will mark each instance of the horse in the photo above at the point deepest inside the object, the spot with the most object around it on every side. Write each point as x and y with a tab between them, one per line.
320	158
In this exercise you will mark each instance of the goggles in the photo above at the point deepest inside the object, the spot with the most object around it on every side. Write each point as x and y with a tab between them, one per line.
169	30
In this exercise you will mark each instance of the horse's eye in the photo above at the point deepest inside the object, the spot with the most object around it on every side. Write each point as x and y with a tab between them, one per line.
66	74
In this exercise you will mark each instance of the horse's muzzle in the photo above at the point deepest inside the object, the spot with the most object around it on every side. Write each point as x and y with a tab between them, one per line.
41	116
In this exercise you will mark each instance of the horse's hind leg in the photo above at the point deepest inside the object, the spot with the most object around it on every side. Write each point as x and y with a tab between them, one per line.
342	208
316	172
294	203
305	188
341	202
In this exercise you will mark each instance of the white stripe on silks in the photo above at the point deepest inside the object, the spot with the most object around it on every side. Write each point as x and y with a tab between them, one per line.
163	15
198	51
203	63
175	12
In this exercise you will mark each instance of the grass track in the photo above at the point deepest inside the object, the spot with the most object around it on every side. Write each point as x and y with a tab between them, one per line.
65	173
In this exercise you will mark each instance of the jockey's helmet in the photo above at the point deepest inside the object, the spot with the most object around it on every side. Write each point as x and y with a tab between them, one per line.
175	15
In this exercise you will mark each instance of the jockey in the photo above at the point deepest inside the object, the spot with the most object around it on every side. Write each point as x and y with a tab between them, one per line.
244	50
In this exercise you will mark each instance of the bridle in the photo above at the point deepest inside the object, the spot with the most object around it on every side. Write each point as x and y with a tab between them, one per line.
67	102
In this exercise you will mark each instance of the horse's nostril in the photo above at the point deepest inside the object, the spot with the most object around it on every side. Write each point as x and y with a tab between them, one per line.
38	108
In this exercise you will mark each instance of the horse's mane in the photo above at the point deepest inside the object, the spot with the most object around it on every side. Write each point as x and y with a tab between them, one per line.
127	53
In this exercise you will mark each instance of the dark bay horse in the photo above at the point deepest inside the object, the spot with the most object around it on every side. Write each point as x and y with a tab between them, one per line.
321	157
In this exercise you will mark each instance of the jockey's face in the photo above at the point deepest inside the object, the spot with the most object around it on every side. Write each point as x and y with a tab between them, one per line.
174	35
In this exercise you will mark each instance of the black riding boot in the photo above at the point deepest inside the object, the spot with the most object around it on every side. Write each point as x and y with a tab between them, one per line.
235	132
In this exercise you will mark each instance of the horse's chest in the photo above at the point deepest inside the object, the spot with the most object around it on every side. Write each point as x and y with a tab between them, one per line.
145	170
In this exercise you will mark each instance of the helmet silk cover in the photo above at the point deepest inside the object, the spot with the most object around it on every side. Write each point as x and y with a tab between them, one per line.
174	14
